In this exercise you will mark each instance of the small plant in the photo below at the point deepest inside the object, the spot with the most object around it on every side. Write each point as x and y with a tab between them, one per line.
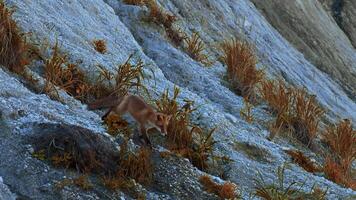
158	16
60	73
246	112
295	110
127	75
100	46
176	36
13	46
137	166
281	191
181	131
195	48
83	182
224	191
241	62
303	161
307	116
342	141
135	2
115	124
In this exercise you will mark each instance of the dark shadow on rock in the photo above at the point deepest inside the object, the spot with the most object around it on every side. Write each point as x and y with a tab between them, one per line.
75	147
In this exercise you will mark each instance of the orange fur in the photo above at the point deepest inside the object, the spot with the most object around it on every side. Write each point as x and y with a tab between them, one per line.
143	113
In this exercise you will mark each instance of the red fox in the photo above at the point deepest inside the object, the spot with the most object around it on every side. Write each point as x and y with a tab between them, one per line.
138	109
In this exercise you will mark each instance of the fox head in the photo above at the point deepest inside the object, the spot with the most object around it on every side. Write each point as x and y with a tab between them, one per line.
162	122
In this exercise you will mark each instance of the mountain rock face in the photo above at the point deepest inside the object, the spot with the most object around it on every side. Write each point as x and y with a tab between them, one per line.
317	34
302	42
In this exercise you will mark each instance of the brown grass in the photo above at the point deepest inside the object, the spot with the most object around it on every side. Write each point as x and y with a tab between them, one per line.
13	46
135	2
224	191
241	61
158	16
127	76
295	110
115	125
58	72
303	161
342	140
195	48
176	36
307	117
100	46
83	182
135	165
339	174
181	131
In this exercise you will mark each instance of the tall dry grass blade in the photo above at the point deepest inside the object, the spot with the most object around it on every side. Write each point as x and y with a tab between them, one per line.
241	62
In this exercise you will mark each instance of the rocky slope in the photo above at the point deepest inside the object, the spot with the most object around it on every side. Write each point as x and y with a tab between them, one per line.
322	60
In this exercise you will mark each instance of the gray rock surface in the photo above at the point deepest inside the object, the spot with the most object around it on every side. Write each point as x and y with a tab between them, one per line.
76	23
315	33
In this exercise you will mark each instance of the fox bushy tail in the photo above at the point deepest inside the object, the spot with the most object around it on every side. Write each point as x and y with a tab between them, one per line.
105	102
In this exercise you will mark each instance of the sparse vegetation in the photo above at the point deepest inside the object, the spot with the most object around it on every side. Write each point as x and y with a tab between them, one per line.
135	2
158	16
295	110
67	76
303	161
14	49
195	48
126	76
181	131
115	125
246	112
100	46
281	191
241	62
227	190
342	141
88	153
58	72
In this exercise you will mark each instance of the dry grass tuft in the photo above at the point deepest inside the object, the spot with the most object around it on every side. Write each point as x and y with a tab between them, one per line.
115	125
100	46
342	140
295	110
176	36
158	16
281	191
181	131
241	62
135	2
135	165
303	161
307	116
14	49
83	182
224	191
60	73
127	76
195	48
339	174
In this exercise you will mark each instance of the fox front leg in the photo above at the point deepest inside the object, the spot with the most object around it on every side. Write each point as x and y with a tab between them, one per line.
144	136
